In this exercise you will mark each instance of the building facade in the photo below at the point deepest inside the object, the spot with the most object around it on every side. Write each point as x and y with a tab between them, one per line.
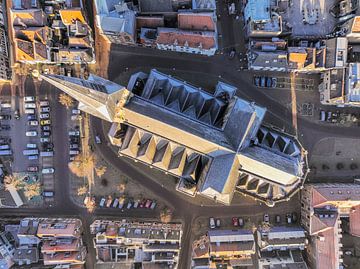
146	243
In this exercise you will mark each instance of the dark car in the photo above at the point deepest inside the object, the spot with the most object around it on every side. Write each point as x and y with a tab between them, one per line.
45	128
257	81
31	117
5	127
5	140
5	117
45	134
232	53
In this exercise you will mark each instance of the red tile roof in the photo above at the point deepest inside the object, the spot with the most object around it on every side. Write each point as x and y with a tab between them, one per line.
355	221
196	21
169	36
326	249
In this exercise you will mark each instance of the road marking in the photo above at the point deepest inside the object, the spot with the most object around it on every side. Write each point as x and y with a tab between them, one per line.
293	101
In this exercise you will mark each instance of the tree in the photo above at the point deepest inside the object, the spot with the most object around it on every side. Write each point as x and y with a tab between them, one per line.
32	190
66	100
91	205
81	165
82	190
100	171
16	182
165	215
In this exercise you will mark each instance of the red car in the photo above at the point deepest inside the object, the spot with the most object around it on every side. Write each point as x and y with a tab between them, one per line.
235	221
32	169
142	204
148	203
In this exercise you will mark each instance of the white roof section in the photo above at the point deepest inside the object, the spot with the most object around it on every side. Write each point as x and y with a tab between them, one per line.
219	236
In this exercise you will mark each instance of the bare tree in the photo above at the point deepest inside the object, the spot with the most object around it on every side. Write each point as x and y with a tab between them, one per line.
100	171
66	100
81	165
16	182
166	215
82	190
32	190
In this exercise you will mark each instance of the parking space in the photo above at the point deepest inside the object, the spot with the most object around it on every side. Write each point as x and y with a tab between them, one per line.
280	82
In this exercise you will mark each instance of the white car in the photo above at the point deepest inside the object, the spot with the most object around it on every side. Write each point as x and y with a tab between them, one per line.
33	123
212	223
44	116
31	133
49	170
29	98
76	111
74	133
30	105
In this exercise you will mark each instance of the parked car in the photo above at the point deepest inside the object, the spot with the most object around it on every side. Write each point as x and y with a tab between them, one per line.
266	218
75	111
232	54
136	204
33	169
74	146
262	82
115	203
102	202
5	117
212	223
44	139
235	221
29	105
29	111
218	223
97	139
45	134
277	219
142	203
153	205
46	128
48	194
44	103
33	123
241	222
268	82
44	116
31	117
129	205
29	98
48	170
273	82
45	122
5	140
257	81
109	202
322	115
74	133
17	114
33	157
31	133
5	127
148	203
31	146
45	109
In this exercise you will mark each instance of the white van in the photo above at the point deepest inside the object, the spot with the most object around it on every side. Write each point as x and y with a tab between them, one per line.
31	133
29	111
30	105
44	103
29	98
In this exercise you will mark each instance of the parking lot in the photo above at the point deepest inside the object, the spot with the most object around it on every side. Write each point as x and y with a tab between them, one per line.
202	225
279	82
26	129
